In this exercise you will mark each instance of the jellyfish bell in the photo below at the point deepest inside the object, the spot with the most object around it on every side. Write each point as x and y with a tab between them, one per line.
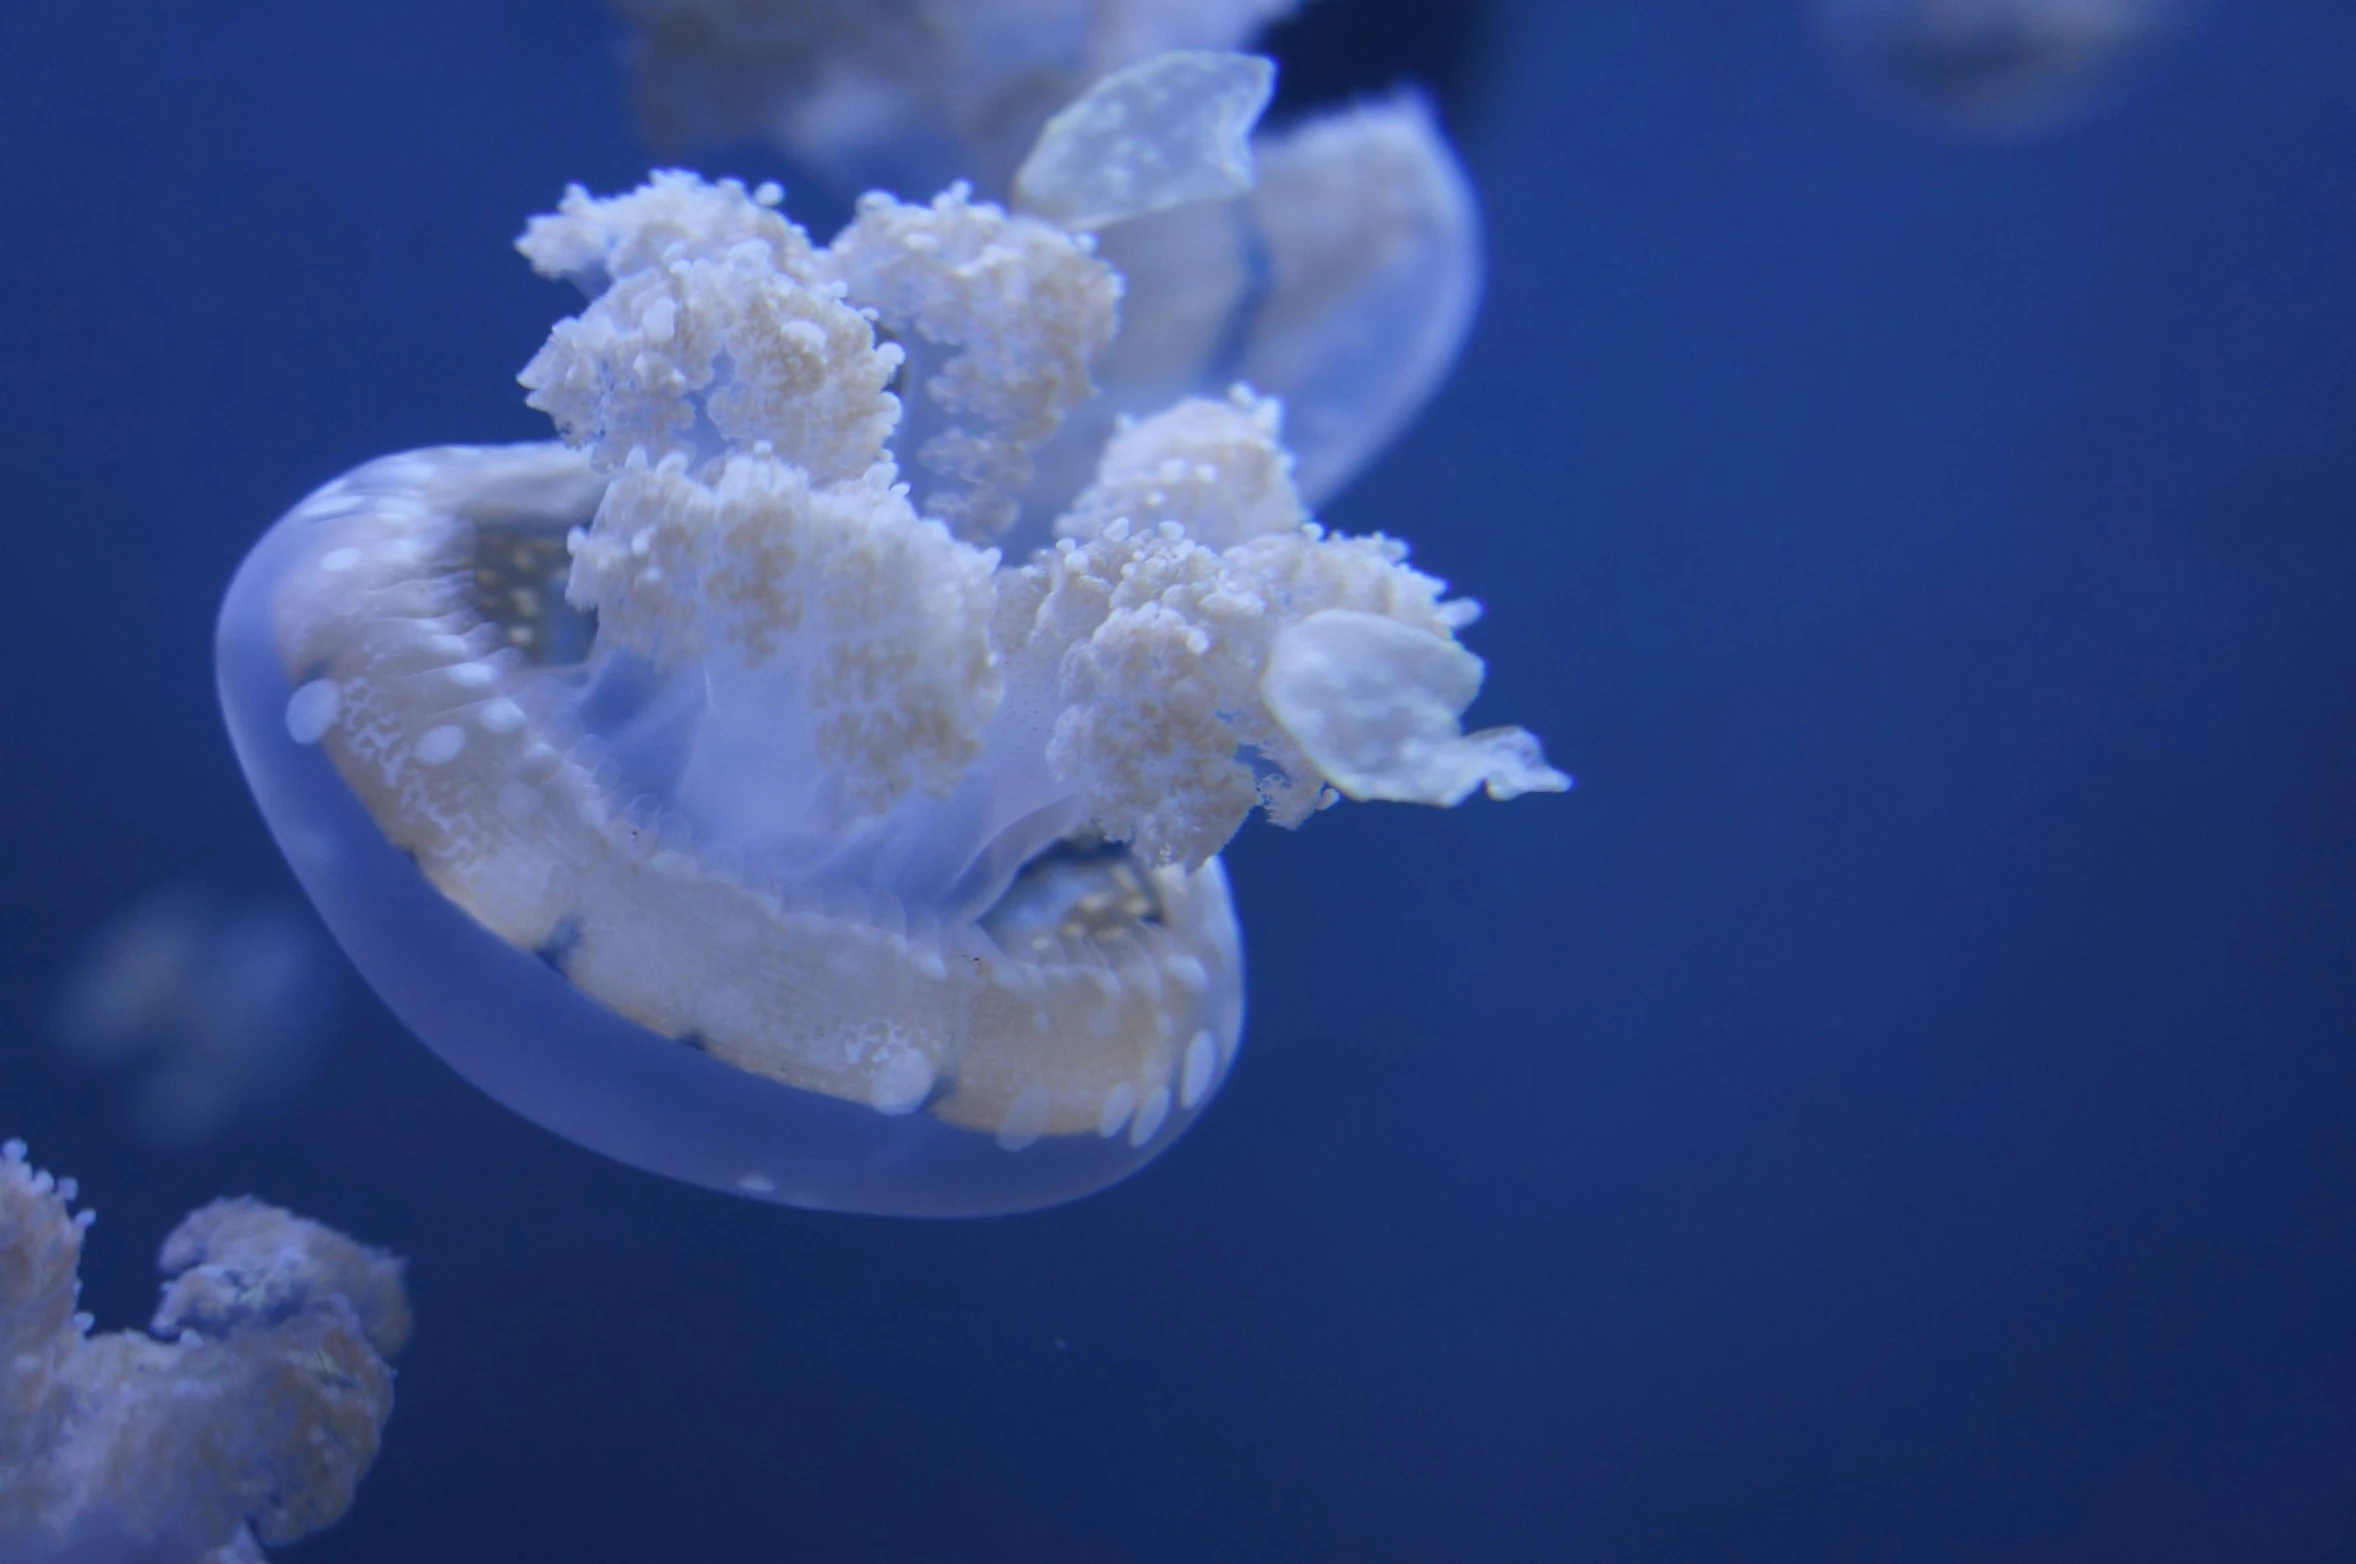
1998	68
714	789
211	1008
947	1012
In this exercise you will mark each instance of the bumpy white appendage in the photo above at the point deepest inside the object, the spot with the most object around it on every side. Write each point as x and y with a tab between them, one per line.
853	635
40	1253
1218	469
1161	648
1002	317
675	215
253	1412
902	95
696	355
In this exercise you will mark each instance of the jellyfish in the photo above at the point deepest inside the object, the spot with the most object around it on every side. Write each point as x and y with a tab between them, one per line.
717	787
248	1415
1995	67
1359	215
210	1007
901	95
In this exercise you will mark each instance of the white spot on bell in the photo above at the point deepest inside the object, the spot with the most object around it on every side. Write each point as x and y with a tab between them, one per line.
1202	1063
473	676
1119	1103
439	746
1150	1117
903	1078
338	560
312	710
499	716
1026	1118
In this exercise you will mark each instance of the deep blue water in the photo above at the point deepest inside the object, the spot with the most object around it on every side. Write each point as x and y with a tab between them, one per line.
1899	1108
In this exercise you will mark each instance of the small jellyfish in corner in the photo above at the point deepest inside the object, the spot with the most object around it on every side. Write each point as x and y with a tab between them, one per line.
725	787
1996	68
248	1416
208	1007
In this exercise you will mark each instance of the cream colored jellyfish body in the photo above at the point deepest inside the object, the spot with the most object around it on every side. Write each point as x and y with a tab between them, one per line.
830	855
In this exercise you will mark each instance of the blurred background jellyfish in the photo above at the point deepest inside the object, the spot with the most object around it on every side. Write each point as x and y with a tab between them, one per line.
804	807
1997	68
248	1413
900	95
1343	283
206	1006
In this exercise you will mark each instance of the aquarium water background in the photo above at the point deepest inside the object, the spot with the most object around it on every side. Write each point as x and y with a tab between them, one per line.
1898	1107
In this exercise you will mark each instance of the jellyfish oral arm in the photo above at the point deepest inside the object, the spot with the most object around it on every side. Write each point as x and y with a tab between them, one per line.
250	1410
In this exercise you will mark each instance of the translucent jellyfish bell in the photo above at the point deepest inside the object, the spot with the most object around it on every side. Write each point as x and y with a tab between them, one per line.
1334	264
713	796
529	921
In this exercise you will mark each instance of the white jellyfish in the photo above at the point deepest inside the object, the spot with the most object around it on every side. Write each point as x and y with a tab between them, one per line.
248	1416
210	1007
1343	283
712	788
1995	67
